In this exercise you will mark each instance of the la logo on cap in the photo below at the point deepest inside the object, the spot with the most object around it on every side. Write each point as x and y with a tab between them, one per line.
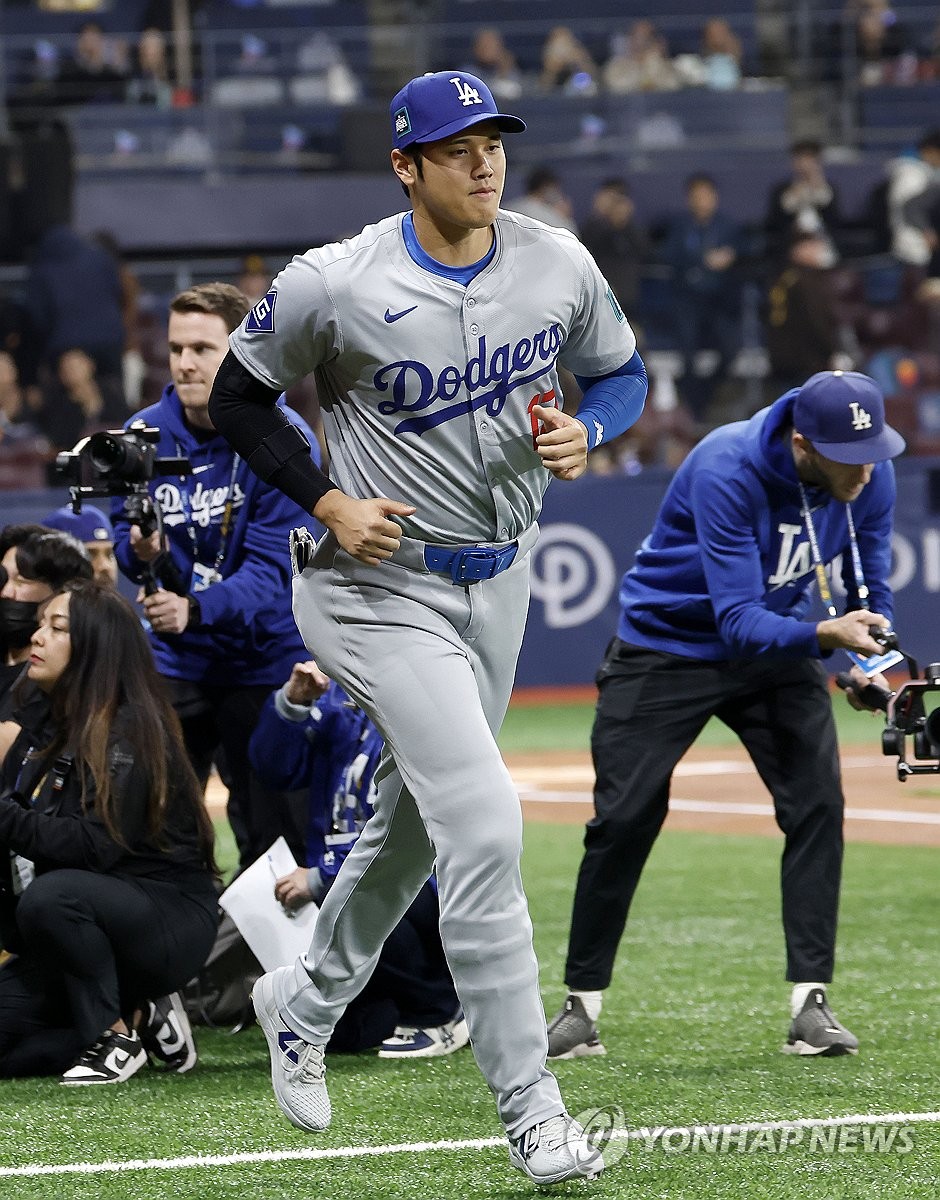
468	95
861	418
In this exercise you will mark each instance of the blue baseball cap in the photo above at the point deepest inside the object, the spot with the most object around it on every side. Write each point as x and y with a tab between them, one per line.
441	103
843	414
90	525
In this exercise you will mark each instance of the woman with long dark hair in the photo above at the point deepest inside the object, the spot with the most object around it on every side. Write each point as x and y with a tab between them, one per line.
108	894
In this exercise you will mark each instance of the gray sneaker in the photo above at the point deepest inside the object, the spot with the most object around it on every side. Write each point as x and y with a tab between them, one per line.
815	1030
554	1151
297	1067
572	1033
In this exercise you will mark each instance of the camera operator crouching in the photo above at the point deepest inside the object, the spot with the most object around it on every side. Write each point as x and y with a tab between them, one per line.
220	619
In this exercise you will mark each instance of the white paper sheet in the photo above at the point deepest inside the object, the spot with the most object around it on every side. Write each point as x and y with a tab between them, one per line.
275	938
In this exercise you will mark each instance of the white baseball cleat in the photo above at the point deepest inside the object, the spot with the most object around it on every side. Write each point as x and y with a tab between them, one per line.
297	1067
555	1150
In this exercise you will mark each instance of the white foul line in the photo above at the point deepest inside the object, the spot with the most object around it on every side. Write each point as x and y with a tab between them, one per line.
892	815
313	1153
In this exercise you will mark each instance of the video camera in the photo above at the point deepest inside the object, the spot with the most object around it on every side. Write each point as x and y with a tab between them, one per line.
906	713
121	462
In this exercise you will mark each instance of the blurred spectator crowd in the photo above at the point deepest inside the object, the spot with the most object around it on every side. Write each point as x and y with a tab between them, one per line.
728	313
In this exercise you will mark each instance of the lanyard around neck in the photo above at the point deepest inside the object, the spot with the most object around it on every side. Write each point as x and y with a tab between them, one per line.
228	510
822	579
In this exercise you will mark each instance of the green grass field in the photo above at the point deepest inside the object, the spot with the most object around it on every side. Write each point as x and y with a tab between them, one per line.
693	1026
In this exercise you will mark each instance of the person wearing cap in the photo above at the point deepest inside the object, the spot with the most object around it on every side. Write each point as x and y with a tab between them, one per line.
718	619
436	337
93	529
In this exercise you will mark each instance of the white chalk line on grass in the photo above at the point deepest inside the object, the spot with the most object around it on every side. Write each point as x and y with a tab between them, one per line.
314	1154
893	816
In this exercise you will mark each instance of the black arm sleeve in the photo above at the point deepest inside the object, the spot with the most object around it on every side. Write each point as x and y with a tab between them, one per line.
243	410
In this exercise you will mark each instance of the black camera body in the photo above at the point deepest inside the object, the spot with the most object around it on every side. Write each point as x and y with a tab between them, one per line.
121	462
907	717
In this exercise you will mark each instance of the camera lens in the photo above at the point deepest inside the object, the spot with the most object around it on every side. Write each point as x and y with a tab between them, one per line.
121	456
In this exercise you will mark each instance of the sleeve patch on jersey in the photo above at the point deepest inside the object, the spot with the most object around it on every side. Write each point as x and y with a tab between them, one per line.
618	311
261	317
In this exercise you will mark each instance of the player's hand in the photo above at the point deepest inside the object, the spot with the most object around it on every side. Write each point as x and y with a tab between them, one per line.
293	891
852	632
166	612
363	527
146	548
562	445
306	684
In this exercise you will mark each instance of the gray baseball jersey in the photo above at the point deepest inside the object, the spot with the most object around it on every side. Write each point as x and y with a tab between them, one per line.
426	385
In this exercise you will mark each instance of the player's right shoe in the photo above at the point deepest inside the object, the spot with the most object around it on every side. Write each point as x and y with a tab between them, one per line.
555	1150
815	1030
298	1069
572	1033
167	1035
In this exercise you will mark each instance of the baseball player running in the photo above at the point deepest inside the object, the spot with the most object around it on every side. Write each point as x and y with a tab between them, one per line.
435	337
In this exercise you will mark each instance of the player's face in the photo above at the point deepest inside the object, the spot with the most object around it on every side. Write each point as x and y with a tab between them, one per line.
843	481
198	343
51	644
463	178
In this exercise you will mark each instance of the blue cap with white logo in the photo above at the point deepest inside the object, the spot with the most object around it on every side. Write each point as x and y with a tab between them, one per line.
90	525
843	414
442	103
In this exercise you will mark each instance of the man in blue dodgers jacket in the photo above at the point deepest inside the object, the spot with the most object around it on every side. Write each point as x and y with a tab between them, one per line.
716	620
227	635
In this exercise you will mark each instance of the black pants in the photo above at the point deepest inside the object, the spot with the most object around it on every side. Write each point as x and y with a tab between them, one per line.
217	724
650	709
411	984
95	948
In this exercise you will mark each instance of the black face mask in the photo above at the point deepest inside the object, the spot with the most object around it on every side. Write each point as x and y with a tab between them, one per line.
18	622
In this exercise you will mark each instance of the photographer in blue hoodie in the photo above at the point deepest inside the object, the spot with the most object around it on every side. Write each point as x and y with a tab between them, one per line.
716	620
226	635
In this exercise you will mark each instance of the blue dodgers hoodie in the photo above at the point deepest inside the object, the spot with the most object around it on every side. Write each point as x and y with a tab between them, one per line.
727	571
332	749
247	635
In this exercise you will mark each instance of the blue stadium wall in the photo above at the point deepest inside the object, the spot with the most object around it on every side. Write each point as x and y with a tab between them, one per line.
590	532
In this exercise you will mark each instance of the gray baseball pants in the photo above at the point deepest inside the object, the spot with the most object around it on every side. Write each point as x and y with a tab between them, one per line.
433	664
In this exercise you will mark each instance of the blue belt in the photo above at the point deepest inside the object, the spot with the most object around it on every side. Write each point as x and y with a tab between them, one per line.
470	563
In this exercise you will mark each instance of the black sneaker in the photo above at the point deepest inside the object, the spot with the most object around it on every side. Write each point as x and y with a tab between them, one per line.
114	1058
815	1030
572	1033
167	1035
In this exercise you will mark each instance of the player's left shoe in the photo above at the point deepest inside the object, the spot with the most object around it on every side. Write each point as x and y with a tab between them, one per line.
432	1042
167	1035
815	1030
555	1150
298	1069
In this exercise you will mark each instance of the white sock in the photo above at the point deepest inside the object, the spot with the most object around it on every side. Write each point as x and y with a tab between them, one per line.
592	1002
799	994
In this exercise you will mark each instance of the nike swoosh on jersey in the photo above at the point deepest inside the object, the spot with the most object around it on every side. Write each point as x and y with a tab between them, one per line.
390	316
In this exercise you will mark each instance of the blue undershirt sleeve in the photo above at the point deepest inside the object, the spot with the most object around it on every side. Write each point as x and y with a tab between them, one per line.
612	403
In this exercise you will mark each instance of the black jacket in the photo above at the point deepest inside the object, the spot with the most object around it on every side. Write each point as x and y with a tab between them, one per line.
42	818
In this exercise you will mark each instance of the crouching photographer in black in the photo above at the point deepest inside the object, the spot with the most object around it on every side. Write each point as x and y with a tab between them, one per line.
108	896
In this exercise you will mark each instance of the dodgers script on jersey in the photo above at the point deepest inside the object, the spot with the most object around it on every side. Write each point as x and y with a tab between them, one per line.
441	377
